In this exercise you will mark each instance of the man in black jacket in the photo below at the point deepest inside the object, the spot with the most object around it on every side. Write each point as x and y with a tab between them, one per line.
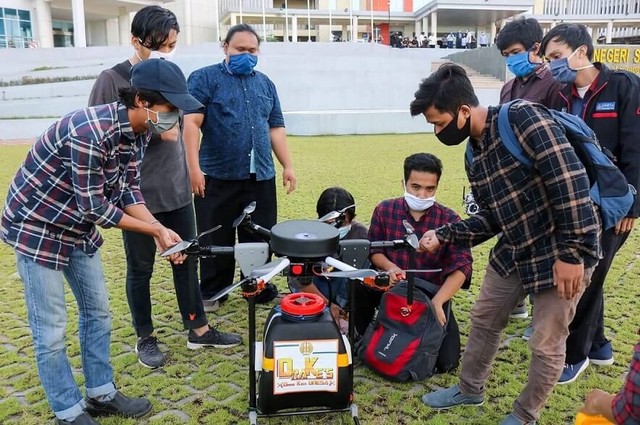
609	102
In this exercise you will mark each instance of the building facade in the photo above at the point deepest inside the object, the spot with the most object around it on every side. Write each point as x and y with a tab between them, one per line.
79	23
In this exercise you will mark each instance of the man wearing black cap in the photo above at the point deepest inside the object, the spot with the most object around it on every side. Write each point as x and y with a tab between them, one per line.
167	195
83	172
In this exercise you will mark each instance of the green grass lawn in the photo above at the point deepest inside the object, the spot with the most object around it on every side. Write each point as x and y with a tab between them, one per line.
211	386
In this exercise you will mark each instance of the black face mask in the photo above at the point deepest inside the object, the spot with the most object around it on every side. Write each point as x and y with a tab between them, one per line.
451	135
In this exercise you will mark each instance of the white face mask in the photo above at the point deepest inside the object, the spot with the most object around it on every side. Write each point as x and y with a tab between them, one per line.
343	231
156	54
418	204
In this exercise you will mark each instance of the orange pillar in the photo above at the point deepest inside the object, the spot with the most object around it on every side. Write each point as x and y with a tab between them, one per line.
384	32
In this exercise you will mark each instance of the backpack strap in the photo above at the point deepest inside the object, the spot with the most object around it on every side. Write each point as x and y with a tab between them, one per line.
508	136
123	69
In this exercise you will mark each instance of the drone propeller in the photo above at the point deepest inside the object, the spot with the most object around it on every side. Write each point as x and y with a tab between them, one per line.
411	238
247	210
179	247
362	273
264	273
206	232
352	274
335	214
183	245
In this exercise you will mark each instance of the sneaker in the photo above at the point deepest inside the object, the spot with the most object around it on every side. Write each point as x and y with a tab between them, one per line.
526	335
120	405
513	420
602	356
450	397
213	338
210	306
83	419
571	371
149	355
520	312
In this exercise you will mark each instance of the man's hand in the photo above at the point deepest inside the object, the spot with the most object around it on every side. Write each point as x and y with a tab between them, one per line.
197	182
288	179
165	239
395	275
429	242
337	313
568	278
625	225
598	402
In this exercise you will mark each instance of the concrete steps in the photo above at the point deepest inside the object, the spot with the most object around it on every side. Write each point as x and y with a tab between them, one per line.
479	81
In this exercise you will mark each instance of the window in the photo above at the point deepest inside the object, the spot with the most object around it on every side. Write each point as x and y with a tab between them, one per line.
15	28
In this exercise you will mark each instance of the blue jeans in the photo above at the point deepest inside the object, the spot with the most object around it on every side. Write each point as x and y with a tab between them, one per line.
44	293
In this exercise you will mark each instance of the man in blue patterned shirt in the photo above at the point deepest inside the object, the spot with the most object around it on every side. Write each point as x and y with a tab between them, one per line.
242	124
547	232
84	172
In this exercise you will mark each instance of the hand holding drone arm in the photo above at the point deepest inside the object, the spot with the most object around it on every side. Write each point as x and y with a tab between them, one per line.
429	242
381	261
137	218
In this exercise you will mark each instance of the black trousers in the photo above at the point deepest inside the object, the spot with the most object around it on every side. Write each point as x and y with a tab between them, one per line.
223	202
140	250
368	300
587	328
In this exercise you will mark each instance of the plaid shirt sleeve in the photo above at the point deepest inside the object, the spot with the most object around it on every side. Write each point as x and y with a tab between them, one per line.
88	182
626	405
470	232
131	194
376	229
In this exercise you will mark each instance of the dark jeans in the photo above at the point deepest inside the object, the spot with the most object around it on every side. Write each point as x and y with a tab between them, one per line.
141	254
587	328
367	300
223	202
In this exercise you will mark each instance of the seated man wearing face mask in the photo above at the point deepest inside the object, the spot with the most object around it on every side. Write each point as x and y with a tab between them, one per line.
335	291
422	172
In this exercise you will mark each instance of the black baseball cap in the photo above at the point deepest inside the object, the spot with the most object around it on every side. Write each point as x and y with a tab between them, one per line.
166	78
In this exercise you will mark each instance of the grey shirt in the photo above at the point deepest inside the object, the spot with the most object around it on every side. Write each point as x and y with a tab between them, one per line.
164	177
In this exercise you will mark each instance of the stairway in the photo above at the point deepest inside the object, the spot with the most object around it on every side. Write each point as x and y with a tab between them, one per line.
478	81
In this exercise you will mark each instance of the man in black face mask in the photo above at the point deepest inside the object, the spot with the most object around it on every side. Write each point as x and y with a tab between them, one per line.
549	234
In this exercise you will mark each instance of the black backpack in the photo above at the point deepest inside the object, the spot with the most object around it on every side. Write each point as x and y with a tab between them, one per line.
403	341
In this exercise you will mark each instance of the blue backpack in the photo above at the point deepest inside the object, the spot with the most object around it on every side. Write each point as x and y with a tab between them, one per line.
609	187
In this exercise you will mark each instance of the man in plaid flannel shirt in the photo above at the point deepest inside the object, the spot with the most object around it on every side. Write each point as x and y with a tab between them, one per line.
547	232
84	172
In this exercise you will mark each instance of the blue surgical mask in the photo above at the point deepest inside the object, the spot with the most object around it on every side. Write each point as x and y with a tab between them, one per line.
243	63
520	65
343	231
562	73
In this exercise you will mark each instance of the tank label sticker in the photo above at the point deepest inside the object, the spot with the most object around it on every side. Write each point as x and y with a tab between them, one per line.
306	365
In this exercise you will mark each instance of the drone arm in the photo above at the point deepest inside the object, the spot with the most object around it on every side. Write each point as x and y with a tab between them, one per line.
276	270
257	229
388	244
215	250
338	264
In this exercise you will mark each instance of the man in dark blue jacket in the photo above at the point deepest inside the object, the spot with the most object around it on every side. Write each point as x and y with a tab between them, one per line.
609	102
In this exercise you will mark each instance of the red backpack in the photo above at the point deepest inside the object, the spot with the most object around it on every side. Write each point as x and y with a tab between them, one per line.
403	341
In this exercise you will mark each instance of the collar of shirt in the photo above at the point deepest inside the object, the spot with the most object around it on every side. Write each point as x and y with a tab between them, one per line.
124	125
